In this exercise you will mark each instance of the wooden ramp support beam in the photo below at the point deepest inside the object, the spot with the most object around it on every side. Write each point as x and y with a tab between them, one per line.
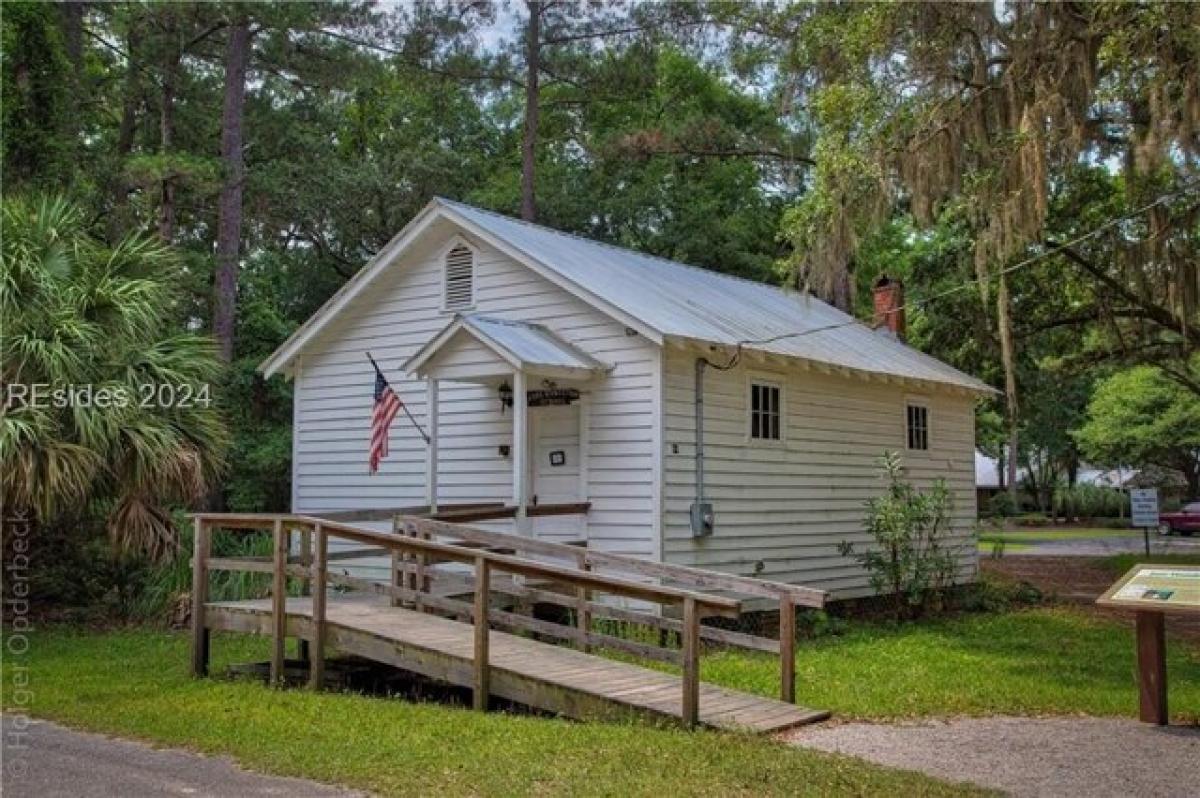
320	573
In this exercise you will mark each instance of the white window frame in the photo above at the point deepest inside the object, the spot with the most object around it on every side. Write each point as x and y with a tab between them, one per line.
770	381
922	402
456	243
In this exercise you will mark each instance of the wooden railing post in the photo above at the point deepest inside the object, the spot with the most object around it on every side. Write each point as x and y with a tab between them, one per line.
320	588
419	580
482	671
583	614
200	637
787	649
279	602
691	663
306	561
395	579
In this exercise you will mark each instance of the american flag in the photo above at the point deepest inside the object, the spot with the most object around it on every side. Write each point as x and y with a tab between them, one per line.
387	405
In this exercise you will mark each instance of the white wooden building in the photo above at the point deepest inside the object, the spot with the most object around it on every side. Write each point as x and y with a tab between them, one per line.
560	374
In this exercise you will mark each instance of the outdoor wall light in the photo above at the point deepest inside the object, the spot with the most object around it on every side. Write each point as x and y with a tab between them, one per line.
506	396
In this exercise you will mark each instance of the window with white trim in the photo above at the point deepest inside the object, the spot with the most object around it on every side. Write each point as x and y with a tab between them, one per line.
458	291
766	412
917	427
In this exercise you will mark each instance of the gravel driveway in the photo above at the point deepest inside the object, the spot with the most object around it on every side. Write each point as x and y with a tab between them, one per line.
1096	757
55	762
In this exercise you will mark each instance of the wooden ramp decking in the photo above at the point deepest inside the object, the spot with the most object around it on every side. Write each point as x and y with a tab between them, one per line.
524	670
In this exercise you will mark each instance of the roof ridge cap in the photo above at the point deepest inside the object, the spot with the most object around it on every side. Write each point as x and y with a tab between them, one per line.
785	290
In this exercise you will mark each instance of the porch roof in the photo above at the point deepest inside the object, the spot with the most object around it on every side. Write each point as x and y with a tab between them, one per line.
522	345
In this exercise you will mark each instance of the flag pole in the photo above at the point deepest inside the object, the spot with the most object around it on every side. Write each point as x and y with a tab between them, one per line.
403	405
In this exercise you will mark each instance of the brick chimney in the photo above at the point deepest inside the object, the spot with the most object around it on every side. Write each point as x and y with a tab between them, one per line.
889	305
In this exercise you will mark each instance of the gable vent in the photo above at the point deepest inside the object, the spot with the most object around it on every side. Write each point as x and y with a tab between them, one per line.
460	279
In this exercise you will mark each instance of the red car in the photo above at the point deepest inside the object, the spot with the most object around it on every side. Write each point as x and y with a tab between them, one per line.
1184	522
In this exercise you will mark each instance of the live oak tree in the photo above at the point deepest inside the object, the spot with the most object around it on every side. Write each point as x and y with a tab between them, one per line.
983	109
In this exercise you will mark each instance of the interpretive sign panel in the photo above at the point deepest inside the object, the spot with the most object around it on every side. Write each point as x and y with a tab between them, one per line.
1162	588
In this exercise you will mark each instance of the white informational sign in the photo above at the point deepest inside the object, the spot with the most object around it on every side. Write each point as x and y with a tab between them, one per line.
1144	507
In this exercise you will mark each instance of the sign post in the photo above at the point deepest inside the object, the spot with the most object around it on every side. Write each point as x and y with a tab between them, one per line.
1152	591
1143	505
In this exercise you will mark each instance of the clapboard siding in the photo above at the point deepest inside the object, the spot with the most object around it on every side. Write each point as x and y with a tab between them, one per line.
400	313
783	508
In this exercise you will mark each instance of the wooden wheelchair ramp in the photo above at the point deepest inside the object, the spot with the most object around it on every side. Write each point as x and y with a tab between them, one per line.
537	674
456	593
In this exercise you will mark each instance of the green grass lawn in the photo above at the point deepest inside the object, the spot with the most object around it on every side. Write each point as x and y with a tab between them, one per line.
1027	538
134	683
988	546
1034	662
1120	563
1040	534
1031	662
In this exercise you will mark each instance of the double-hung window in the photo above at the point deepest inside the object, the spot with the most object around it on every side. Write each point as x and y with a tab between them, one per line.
917	426
766	411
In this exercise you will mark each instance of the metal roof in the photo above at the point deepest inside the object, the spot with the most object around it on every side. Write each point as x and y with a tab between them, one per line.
523	344
532	344
689	302
660	298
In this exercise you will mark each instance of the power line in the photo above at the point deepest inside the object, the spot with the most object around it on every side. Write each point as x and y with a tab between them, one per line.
978	280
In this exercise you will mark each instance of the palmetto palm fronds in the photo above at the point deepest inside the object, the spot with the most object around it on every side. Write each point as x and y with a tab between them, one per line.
78	315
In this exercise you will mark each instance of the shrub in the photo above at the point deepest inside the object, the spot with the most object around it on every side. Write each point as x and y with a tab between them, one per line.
1089	501
1002	505
165	587
909	561
991	595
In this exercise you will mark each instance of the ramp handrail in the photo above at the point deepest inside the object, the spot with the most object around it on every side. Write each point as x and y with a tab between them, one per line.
312	568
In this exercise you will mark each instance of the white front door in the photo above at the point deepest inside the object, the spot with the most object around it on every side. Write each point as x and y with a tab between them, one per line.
555	469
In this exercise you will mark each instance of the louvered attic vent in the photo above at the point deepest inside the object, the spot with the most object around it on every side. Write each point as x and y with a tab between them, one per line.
460	279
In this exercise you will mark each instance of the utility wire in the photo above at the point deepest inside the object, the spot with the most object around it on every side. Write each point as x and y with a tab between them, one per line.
974	282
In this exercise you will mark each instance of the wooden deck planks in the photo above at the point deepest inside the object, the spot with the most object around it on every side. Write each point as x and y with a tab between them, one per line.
552	677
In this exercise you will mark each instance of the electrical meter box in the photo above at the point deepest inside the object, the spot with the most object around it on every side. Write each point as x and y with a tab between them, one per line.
702	519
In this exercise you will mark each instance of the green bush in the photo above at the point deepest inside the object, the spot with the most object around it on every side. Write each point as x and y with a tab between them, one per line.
1002	505
909	563
165	586
1089	501
77	574
990	595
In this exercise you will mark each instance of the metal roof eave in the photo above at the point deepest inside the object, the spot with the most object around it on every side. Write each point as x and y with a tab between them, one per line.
416	363
971	387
